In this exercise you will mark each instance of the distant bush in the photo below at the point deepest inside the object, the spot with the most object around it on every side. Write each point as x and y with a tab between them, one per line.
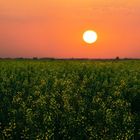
117	58
35	58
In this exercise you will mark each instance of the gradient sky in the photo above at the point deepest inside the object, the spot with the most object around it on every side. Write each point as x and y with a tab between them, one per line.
54	28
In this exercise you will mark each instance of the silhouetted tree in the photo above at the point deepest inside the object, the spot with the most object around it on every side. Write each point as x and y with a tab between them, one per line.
35	58
117	58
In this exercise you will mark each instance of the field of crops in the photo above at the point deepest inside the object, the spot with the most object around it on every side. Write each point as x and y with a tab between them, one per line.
69	100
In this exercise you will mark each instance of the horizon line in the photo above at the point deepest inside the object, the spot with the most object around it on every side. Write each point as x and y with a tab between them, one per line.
70	58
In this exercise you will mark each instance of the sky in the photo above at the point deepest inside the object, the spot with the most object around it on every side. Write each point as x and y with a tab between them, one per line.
54	28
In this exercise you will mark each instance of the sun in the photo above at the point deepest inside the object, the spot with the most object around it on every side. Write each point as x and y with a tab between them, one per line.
90	36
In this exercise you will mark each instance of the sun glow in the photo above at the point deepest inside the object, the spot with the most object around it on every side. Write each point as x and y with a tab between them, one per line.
90	36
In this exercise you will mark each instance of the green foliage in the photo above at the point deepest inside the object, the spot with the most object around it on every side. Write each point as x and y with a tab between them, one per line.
74	100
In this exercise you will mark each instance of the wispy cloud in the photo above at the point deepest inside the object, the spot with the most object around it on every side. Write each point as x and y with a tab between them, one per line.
13	18
113	7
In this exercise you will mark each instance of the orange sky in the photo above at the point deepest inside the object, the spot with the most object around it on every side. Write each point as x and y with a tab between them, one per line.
54	28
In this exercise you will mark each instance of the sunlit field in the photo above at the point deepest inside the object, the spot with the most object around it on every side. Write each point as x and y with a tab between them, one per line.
69	99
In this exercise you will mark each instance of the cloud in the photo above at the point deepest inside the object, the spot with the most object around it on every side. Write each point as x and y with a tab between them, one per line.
113	7
14	18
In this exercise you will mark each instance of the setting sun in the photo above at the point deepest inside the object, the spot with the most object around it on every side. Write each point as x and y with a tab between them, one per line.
90	36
